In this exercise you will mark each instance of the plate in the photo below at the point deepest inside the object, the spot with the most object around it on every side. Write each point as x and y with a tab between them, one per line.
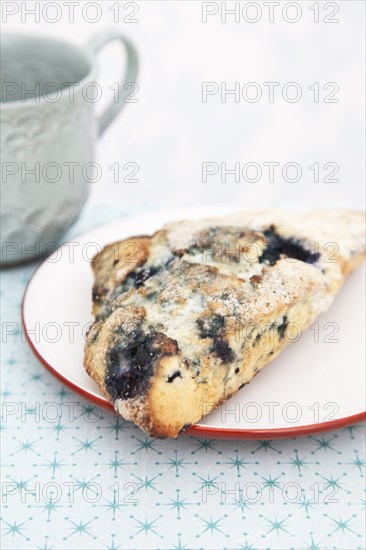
316	384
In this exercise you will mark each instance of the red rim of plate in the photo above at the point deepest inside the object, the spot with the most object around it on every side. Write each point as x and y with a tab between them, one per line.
198	430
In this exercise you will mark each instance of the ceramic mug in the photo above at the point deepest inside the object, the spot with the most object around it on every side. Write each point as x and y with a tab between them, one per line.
49	129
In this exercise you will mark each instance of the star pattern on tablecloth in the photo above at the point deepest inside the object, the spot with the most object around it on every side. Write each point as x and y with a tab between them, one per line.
94	481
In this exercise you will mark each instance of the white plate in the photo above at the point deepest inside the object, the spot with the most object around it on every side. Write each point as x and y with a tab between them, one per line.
316	384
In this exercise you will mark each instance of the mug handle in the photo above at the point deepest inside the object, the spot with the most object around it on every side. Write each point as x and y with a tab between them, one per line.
95	44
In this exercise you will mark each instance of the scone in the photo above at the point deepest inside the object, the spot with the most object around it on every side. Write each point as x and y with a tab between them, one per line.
185	318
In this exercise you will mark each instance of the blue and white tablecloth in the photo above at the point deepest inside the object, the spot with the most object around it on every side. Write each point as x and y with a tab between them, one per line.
75	477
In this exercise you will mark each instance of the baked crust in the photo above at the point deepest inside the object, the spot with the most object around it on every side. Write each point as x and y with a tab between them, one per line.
185	318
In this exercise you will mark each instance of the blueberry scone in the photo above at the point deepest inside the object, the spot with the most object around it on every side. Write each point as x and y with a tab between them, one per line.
185	318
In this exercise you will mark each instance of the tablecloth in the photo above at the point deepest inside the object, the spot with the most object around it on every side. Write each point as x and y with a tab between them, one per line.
75	476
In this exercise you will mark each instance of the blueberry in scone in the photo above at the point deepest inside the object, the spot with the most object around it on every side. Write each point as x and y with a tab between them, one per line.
185	318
